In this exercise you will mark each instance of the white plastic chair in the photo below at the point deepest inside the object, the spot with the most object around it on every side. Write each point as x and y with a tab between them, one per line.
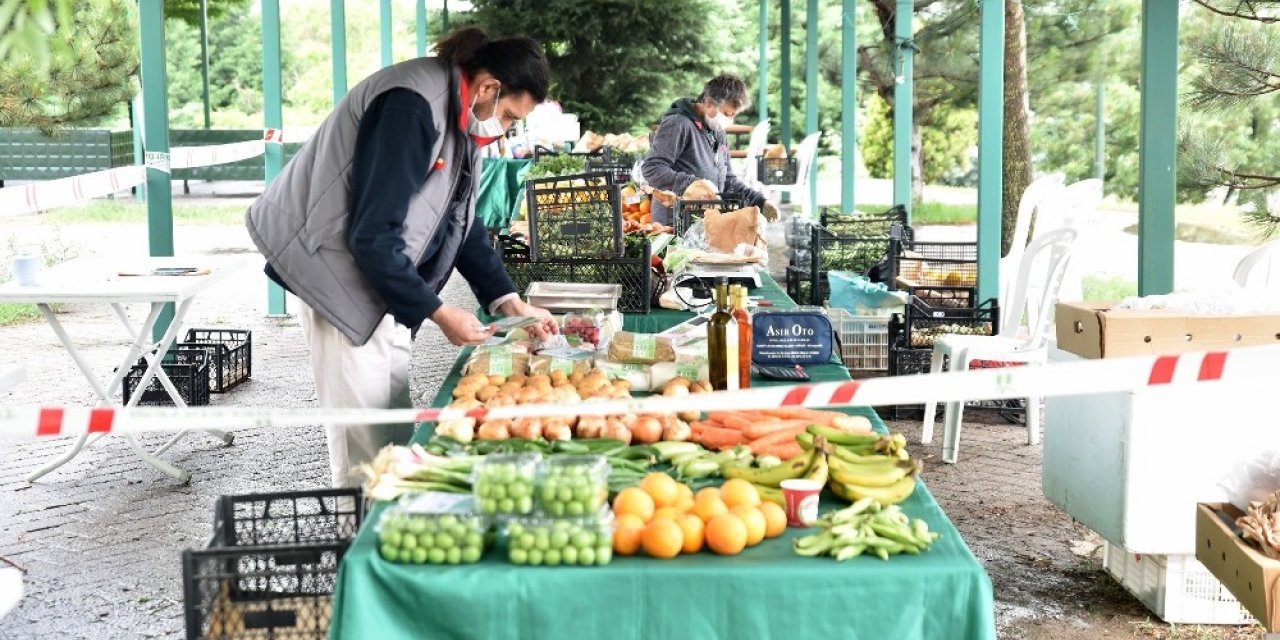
1041	190
1011	344
806	170
755	147
1257	266
1073	208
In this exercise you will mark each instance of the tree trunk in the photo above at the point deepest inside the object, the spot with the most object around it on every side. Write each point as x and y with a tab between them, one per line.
1017	128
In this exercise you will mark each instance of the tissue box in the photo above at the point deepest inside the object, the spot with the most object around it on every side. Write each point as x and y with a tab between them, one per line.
1096	330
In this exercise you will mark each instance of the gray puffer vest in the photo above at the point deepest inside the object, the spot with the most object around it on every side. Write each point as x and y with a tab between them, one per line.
300	222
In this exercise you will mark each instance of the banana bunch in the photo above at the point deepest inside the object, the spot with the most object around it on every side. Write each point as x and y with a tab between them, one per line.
690	461
811	465
866	465
866	527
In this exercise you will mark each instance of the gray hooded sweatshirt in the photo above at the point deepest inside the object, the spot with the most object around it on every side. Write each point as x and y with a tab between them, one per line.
686	149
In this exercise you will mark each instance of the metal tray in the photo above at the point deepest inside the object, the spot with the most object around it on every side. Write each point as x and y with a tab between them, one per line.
569	296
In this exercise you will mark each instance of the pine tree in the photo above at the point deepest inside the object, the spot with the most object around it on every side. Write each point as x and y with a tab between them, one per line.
1240	78
91	76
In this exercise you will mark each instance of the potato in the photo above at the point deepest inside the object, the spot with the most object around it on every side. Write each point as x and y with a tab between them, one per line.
527	428
460	393
494	430
500	400
474	379
577	377
529	395
486	392
591	385
620	383
590	426
539	379
670	391
497	380
558	377
466	403
518	378
510	388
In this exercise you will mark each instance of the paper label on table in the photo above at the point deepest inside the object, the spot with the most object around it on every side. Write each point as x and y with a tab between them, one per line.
500	362
644	347
562	365
633	199
688	371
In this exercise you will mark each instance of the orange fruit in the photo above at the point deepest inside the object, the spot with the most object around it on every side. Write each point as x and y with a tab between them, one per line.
645	206
726	534
694	532
708	505
685	505
635	501
662	538
738	491
662	488
755	521
775	519
627	531
667	513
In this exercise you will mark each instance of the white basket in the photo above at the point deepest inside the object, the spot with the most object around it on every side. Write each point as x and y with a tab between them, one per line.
864	340
1176	588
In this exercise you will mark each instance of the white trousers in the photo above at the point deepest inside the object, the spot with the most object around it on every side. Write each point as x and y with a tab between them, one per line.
374	375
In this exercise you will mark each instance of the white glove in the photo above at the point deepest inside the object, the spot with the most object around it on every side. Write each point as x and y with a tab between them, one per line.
770	211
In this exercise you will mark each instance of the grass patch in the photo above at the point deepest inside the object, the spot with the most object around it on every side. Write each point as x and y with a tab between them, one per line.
129	212
12	313
932	213
1190	232
1108	288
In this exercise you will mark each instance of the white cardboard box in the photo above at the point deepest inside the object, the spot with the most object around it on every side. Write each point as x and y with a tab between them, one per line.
1132	466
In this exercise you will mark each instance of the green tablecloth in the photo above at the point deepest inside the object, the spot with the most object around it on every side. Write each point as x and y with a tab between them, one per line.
500	183
767	591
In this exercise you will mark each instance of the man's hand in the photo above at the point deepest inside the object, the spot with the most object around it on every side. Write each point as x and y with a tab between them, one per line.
770	211
546	326
460	327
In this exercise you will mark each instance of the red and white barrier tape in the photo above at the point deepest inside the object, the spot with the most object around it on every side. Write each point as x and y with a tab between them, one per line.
51	194
214	154
1072	378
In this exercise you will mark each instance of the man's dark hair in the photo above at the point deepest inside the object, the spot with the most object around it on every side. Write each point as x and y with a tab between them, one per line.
518	63
726	89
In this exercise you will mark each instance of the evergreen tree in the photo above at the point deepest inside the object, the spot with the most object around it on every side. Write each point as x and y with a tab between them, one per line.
91	79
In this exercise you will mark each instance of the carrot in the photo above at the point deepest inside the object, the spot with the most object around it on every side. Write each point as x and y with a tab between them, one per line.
762	429
720	438
696	428
833	419
781	436
739	420
784	451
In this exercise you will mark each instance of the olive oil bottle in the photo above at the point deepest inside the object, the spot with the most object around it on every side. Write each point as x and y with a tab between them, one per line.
722	341
743	320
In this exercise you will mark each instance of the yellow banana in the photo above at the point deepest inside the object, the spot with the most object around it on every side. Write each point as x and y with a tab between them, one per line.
771	494
844	438
885	496
772	476
819	471
867	478
858	459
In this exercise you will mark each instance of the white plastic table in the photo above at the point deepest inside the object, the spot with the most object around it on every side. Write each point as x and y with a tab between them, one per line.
97	281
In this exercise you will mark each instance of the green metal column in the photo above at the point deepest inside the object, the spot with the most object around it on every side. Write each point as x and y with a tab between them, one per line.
990	146
204	59
1157	146
272	98
903	102
848	103
421	19
135	123
762	67
812	18
155	140
784	113
385	19
444	17
338	42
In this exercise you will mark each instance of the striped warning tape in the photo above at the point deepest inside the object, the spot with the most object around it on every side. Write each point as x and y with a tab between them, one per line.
1071	378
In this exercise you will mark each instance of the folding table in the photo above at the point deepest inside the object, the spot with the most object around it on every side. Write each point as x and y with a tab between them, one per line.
117	283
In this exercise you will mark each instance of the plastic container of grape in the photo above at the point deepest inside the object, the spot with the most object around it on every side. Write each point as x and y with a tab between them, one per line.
572	485
548	541
503	485
430	528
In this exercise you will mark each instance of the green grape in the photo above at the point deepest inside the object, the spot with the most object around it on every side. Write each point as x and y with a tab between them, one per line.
584	492
604	555
559	539
436	556
417	525
445	541
587	556
453	555
506	505
549	493
552	557
419	556
473	539
527	540
575	509
583	539
535	557
389	551
408	541
405	555
541	541
524	504
426	540
519	490
447	521
471	555
557	509
569	555
565	494
499	493
515	529
519	556
392	537
489	505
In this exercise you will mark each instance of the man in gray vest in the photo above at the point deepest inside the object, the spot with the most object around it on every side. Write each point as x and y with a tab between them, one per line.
375	212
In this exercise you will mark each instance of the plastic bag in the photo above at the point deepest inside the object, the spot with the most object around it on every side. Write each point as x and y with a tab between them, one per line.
1254	480
856	294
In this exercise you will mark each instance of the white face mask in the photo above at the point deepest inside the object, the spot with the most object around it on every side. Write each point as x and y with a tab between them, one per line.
490	128
720	121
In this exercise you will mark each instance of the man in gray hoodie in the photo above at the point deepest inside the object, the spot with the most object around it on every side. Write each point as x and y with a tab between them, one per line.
690	146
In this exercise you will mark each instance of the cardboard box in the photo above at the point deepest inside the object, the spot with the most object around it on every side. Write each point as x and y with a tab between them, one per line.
1249	574
1095	330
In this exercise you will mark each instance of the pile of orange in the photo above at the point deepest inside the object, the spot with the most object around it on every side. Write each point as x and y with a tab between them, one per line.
637	212
664	518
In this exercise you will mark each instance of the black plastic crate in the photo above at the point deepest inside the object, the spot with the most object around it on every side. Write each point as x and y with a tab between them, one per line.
933	264
907	361
576	216
779	171
271	567
687	212
920	323
866	224
617	164
230	355
187	369
800	285
634	271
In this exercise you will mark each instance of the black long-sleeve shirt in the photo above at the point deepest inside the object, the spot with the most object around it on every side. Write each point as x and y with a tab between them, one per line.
392	160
